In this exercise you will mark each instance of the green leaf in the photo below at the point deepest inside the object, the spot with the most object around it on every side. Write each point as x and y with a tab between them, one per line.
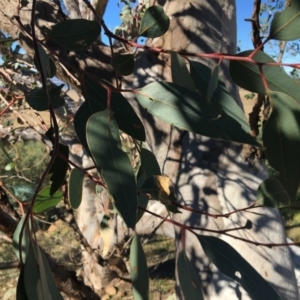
59	169
21	290
138	270
38	279
281	137
201	75
233	265
271	193
112	162
188	110
180	73
37	98
247	76
213	82
10	166
75	34
96	100
154	23
188	278
149	163
48	66
123	63
285	24
24	244
143	200
75	187
44	201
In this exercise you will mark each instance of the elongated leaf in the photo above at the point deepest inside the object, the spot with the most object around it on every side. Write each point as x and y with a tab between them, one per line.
123	63
75	34
247	76
96	100
149	163
213	82
154	23
188	278
21	290
285	25
44	201
201	75
281	137
180	73
38	279
188	110
48	285
37	98
138	270
59	169
48	65
75	187
112	162
24	244
271	193
233	265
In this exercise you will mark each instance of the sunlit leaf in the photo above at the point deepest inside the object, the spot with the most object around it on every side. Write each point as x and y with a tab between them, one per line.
233	265
138	270
180	73
123	63
188	110
281	137
154	23
271	193
75	187
112	162
189	280
285	24
37	98
75	34
247	76
24	244
44	201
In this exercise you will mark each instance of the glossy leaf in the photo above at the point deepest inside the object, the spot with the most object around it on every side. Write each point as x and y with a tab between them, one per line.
281	137
48	65
189	280
285	24
149	163
180	73
271	193
37	98
59	169
213	82
123	63
112	162
24	244
96	100
75	187
138	270
247	76
154	23
189	111
75	34
233	265
44	201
